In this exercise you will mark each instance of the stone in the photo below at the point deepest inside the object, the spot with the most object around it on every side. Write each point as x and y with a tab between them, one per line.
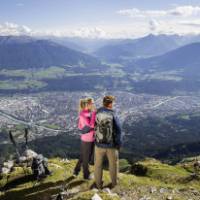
5	170
145	198
65	160
9	164
107	190
75	190
95	190
153	190
29	154
163	190
96	197
169	198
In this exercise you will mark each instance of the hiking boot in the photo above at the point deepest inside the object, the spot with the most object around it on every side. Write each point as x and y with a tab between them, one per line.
90	177
75	174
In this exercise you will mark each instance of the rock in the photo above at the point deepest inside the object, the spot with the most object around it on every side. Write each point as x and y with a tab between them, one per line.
5	170
107	190
169	198
163	190
96	197
195	192
22	159
95	190
153	190
91	177
65	160
30	154
9	164
75	190
145	198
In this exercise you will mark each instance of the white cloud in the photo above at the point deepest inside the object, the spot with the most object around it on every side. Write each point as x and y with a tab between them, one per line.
20	4
177	20
185	11
137	28
191	23
14	29
153	25
179	11
87	32
136	13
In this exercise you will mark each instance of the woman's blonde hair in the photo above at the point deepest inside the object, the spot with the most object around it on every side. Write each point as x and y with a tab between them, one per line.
82	104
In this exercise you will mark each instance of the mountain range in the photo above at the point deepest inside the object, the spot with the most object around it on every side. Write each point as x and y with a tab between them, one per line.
152	64
185	60
148	46
26	52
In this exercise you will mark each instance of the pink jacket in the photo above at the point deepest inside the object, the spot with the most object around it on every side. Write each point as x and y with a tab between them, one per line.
86	122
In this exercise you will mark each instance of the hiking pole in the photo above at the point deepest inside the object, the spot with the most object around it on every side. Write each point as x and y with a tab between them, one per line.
26	137
15	145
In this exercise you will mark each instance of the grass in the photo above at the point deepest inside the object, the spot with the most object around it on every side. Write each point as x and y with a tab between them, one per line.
52	126
185	117
158	175
50	73
20	85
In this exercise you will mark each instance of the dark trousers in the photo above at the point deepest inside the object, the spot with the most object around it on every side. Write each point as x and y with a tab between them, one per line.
87	151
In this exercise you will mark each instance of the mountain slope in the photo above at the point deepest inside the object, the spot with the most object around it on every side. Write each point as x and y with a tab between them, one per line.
150	45
26	52
186	57
159	181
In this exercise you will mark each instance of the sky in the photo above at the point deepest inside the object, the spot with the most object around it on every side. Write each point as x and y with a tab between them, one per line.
99	18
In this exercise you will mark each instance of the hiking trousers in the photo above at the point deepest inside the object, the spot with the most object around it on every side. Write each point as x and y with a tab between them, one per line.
87	149
112	155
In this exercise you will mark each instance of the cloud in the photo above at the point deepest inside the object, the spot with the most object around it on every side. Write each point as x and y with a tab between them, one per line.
136	13
179	11
185	11
194	23
153	25
8	28
20	4
87	32
14	29
136	29
177	20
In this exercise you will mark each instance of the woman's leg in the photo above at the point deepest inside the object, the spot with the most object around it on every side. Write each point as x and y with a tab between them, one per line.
86	150
92	154
77	168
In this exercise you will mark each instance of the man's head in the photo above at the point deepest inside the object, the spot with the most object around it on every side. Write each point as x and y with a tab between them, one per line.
108	101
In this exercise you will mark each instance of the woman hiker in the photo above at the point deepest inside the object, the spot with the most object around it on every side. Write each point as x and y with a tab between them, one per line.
86	122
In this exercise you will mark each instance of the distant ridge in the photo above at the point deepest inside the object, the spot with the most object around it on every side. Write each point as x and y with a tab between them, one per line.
27	52
186	57
147	46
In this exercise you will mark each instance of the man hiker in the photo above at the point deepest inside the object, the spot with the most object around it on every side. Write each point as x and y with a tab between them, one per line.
107	141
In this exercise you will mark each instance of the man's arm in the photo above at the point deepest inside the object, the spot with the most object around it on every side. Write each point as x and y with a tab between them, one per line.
87	125
118	132
86	129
